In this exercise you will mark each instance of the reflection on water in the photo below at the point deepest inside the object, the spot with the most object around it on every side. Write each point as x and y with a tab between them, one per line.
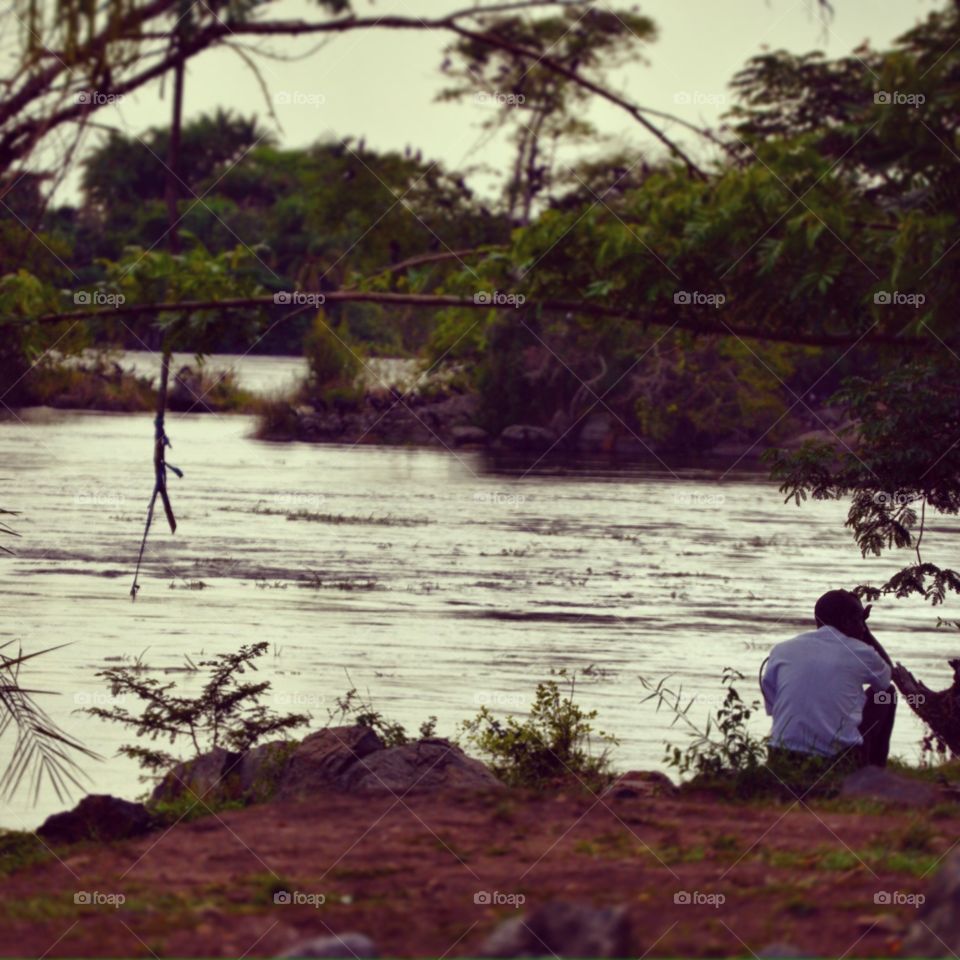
437	585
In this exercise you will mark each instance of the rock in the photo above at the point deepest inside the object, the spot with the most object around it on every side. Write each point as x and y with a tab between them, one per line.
342	945
427	764
98	817
322	758
352	759
877	783
213	774
468	435
263	768
525	437
640	783
782	951
562	930
936	932
597	435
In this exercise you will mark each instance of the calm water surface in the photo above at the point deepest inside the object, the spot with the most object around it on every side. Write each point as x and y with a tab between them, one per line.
442	587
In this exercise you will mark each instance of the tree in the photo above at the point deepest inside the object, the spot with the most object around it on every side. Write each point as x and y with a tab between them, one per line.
542	105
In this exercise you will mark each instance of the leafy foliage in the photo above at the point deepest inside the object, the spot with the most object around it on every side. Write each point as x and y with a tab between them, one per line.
42	751
227	713
353	707
899	456
553	743
723	747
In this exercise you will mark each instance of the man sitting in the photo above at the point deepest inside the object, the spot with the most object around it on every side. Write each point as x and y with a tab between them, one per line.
813	687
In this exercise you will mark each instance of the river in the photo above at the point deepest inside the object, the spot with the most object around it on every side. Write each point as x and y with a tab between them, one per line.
419	576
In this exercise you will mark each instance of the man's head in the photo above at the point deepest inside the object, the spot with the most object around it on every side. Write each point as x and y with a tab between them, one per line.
843	610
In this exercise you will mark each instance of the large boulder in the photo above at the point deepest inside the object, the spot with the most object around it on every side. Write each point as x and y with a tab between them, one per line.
352	945
936	932
427	764
262	769
98	817
877	783
351	759
322	759
213	775
563	930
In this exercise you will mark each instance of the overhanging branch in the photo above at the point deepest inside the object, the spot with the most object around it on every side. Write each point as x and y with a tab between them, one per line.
681	318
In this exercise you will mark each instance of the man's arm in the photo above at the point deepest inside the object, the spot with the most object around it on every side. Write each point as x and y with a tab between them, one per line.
768	685
871	641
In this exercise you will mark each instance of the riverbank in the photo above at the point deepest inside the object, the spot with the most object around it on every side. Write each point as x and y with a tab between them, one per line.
102	383
392	408
435	874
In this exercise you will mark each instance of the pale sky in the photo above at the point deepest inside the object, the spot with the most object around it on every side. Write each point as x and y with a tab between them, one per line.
380	84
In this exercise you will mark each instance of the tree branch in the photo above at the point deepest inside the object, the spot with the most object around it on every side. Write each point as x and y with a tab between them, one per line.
663	316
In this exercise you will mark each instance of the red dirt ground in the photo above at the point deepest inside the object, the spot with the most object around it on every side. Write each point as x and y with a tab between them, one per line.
406	873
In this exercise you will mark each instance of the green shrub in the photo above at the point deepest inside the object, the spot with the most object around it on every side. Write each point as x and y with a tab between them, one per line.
553	743
227	713
723	752
331	359
353	708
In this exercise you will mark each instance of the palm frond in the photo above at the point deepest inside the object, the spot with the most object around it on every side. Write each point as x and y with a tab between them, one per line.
42	751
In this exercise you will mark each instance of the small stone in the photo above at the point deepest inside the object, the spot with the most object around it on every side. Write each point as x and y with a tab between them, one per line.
782	951
876	783
352	945
562	930
640	783
522	436
462	436
936	931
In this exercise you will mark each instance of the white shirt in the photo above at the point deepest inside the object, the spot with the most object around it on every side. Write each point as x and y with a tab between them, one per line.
813	689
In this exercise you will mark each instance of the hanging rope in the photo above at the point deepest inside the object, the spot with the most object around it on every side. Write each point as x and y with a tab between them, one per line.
160	466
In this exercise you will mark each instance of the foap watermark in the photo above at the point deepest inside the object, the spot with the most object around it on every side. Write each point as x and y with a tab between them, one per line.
297	698
292	500
299	298
97	99
299	98
500	499
699	898
696	298
888	498
496	898
98	698
297	898
98	498
699	499
98	298
897	98
497	698
497	298
890	898
497	99
699	97
95	898
894	298
886	696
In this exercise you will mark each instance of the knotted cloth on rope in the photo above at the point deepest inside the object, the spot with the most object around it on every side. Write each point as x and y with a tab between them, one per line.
160	443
